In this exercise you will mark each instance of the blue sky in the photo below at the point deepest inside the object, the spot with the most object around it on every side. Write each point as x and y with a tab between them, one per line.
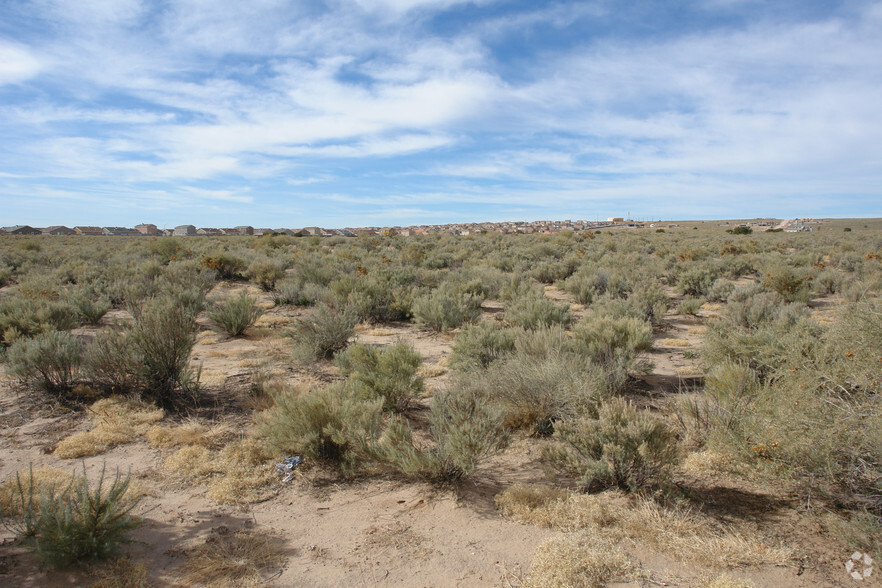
383	112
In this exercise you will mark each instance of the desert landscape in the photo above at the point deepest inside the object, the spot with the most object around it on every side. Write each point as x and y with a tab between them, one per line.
688	406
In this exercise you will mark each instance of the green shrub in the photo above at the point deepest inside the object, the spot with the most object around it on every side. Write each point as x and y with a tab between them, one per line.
323	333
297	294
536	391
464	429
227	267
50	360
73	524
740	231
388	373
111	362
690	306
696	281
720	290
328	424
613	344
163	337
792	284
480	344
532	312
89	306
234	315
443	309
828	282
618	447
265	273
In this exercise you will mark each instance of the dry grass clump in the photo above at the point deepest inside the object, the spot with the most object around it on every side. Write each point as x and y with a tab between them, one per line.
115	420
238	473
579	559
187	433
121	573
543	505
232	558
433	370
677	532
43	479
674	343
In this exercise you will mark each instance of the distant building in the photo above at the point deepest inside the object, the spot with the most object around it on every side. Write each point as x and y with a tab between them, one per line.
184	231
245	230
148	229
21	230
616	219
58	230
120	232
93	231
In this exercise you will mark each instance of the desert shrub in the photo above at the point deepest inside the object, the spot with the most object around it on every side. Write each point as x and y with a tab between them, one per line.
740	231
649	302
828	282
228	267
443	309
328	424
111	362
480	344
696	281
730	389
232	558
166	249
536	391
297	294
50	361
377	296
5	276
532	312
73	523
690	306
613	344
163	337
720	290
464	429
89	306
618	447
235	314
388	373
323	333
792	284
265	273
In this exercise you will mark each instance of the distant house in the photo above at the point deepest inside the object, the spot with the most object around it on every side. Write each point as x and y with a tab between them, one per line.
58	230
245	230
120	232
209	232
21	230
312	231
230	232
148	229
615	219
259	232
184	230
92	231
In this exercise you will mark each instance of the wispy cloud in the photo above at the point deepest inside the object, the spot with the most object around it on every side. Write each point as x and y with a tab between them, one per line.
440	107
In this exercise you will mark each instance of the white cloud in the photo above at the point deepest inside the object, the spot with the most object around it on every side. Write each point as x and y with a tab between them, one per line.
17	63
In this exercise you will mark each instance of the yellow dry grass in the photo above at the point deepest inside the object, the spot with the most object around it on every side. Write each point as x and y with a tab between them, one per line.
709	465
115	420
187	433
121	573
677	532
579	559
379	332
237	474
269	321
576	307
711	306
689	370
697	330
433	370
210	377
208	338
232	559
42	479
673	343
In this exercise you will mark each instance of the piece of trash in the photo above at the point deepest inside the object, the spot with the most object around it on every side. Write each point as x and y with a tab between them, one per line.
287	467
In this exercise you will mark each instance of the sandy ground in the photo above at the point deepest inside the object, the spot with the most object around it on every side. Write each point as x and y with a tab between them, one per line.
380	531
